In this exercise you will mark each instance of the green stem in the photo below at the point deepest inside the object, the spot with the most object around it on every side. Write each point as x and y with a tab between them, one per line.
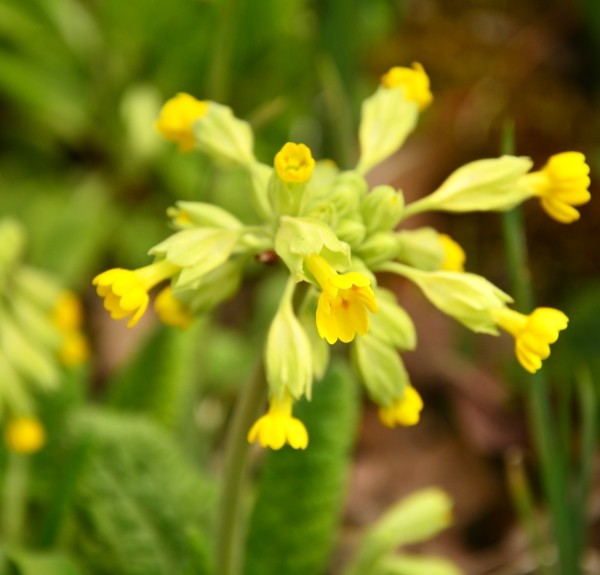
13	503
540	418
222	53
230	531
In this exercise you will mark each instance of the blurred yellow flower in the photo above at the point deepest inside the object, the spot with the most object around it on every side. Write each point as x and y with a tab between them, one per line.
414	81
277	427
67	313
454	255
343	303
67	316
294	163
533	333
172	311
405	410
125	292
177	118
24	435
561	184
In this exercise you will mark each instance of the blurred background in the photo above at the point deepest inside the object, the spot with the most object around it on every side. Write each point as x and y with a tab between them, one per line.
81	83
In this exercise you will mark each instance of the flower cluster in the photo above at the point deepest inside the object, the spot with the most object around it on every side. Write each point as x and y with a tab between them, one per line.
39	331
332	234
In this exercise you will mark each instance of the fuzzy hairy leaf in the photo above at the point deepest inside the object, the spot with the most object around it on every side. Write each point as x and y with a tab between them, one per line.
139	507
300	493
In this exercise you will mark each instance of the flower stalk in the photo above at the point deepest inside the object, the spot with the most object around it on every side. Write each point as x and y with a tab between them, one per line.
231	513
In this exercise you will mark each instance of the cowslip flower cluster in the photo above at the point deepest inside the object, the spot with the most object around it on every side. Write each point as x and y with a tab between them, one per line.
331	234
40	331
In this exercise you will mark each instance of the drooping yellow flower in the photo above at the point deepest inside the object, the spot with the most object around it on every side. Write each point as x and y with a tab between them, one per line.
454	255
343	303
277	427
405	410
414	81
172	311
561	184
177	118
125	292
294	163
24	435
533	333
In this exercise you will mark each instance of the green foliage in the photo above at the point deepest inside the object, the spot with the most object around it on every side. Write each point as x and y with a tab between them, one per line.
139	507
27	563
300	493
158	380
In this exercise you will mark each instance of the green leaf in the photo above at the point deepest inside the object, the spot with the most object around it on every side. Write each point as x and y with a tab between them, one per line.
159	379
300	493
415	565
140	508
26	563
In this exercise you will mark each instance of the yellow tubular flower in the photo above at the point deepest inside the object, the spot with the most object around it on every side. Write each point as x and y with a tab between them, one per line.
343	303
172	311
125	292
414	81
24	435
277	427
533	333
177	118
454	255
294	163
405	410
561	184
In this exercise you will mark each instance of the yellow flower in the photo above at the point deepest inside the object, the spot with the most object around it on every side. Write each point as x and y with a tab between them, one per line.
414	81
533	333
172	311
561	184
294	163
67	316
454	255
67	313
24	435
405	410
74	349
277	427
125	292
343	303
177	118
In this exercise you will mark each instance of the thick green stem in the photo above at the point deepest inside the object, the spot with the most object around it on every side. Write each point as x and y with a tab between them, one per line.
231	529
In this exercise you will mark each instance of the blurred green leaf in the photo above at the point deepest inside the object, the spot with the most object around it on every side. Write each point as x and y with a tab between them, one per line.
416	565
140	508
158	381
29	563
300	493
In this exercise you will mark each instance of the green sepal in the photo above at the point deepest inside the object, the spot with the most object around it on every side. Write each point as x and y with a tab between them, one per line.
298	238
381	369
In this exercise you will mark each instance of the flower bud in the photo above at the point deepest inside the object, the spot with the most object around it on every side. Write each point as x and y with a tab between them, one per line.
201	215
382	208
